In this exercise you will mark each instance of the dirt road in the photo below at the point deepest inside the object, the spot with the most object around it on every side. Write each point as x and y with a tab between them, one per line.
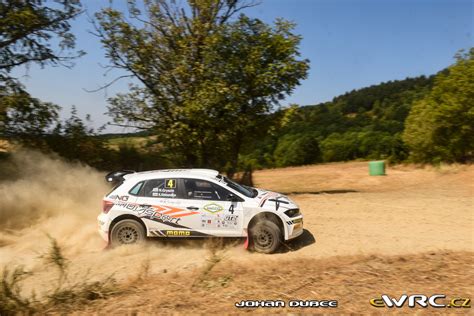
408	211
408	232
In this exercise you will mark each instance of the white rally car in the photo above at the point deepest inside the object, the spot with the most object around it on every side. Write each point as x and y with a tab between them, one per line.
195	203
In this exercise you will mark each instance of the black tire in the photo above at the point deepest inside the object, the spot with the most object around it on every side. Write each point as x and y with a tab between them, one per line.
127	232
266	237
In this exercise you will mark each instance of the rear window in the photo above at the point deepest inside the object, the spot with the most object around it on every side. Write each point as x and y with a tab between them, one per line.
136	189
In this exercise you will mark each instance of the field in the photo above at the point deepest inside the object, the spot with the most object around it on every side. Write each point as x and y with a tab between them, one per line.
409	232
130	141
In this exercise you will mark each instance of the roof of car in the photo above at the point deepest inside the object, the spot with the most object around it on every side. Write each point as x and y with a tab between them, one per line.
173	173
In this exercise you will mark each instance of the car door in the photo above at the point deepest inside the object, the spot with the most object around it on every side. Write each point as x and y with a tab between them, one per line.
161	203
218	215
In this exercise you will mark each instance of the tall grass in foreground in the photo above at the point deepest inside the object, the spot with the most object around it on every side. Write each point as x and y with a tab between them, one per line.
216	253
66	295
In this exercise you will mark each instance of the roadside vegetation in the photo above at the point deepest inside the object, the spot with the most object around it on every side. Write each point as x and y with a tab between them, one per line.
67	292
64	293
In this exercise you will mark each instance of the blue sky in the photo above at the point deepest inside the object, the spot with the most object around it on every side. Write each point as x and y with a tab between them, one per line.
350	44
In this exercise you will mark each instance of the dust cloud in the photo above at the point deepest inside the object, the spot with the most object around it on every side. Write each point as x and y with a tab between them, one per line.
43	195
44	186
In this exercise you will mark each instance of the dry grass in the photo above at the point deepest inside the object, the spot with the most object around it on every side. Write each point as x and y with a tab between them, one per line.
217	248
12	300
65	296
352	280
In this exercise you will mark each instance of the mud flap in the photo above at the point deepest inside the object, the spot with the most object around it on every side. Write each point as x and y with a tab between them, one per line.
107	246
247	240
246	244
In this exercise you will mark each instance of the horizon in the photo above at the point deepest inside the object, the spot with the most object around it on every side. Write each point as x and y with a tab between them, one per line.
345	41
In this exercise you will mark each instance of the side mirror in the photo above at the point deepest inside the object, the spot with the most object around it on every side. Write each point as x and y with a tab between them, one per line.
233	198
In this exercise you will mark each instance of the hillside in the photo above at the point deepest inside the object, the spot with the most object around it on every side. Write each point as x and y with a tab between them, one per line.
365	123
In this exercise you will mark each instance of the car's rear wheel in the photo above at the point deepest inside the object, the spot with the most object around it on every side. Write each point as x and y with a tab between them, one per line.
266	237
127	232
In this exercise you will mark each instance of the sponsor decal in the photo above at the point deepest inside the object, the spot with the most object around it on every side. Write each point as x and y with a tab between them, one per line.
278	200
119	197
420	300
213	208
162	213
267	196
230	219
176	233
219	220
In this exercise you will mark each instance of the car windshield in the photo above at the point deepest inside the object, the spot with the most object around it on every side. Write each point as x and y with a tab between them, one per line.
245	190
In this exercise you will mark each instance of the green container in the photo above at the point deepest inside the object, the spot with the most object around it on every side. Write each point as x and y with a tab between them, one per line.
377	168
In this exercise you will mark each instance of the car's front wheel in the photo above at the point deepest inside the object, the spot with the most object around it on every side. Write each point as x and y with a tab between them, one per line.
126	232
266	237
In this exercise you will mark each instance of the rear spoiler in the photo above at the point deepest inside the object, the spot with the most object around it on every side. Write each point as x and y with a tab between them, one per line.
117	176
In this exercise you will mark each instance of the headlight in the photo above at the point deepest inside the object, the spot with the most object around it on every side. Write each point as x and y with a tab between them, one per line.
293	212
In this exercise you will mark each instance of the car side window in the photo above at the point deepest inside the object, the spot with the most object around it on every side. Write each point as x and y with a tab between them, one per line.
204	190
136	189
161	188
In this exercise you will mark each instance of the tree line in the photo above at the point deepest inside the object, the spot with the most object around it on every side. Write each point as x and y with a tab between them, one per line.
208	85
422	120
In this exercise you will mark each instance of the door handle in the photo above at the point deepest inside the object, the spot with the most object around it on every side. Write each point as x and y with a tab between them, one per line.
194	208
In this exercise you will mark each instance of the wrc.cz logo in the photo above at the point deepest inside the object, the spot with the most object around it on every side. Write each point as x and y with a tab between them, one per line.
436	300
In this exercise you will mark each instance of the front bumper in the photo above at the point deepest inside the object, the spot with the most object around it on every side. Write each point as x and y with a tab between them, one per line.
295	227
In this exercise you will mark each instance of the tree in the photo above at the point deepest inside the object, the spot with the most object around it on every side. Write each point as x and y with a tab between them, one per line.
24	117
254	66
340	147
297	149
74	141
29	30
440	127
206	80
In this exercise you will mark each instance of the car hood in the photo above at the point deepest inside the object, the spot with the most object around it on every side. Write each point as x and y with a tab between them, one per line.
274	201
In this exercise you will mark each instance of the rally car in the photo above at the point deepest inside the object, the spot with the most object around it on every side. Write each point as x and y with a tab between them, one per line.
195	203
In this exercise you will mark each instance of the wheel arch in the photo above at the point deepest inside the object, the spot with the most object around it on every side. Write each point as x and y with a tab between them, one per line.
271	217
127	216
